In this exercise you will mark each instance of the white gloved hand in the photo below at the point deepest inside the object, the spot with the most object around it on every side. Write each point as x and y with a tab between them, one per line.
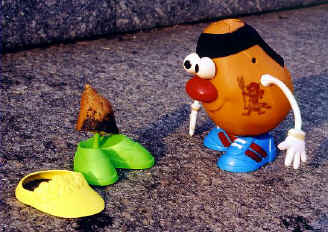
295	146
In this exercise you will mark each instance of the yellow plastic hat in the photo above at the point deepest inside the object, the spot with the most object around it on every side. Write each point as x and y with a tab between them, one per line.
61	193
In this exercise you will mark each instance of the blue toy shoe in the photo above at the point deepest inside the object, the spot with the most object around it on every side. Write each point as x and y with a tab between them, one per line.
218	139
247	154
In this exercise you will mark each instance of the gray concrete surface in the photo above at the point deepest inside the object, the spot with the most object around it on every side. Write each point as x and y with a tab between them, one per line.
35	22
142	75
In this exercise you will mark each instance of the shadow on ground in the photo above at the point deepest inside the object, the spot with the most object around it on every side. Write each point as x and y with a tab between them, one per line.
163	127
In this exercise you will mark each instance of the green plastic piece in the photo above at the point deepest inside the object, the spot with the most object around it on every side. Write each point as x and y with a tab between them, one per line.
98	157
95	165
126	153
95	143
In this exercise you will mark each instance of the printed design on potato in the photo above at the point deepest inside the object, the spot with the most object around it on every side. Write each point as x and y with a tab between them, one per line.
252	94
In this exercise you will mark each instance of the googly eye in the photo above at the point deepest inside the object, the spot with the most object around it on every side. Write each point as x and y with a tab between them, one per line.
190	62
205	68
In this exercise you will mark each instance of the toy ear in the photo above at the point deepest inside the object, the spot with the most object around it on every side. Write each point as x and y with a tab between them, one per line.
96	113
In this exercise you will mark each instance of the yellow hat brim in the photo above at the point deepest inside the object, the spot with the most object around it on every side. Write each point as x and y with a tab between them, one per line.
66	194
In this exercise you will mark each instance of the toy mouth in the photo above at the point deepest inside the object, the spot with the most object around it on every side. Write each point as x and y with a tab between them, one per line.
201	90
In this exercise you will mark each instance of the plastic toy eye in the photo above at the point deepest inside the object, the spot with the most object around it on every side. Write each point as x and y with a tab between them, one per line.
190	62
205	68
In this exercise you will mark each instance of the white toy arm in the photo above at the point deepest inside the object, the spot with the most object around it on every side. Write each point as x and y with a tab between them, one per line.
195	106
294	143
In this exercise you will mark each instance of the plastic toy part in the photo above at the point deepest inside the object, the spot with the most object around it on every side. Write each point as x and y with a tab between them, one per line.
237	95
126	153
195	106
98	157
96	113
218	139
201	89
59	193
294	143
267	79
203	67
234	99
95	164
247	154
295	147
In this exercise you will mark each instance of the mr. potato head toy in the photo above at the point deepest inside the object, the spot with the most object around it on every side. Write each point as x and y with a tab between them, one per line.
246	90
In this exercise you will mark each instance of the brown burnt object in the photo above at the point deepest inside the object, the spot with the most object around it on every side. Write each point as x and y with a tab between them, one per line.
96	113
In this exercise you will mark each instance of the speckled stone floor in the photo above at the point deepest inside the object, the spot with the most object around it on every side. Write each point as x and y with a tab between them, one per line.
142	75
32	23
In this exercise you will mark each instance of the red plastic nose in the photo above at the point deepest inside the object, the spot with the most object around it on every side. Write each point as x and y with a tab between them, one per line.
201	89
